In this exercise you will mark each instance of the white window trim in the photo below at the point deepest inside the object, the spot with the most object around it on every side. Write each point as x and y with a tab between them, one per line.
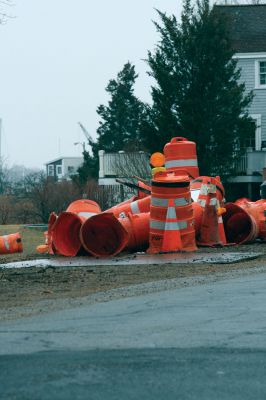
249	55
257	119
257	75
57	167
50	169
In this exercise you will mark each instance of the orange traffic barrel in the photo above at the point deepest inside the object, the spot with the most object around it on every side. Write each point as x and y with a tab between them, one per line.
171	210
11	244
49	236
197	214
199	189
66	234
142	194
84	208
104	235
180	153
257	210
133	207
240	227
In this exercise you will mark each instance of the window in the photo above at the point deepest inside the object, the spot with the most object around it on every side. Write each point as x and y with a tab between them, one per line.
260	74
257	142
262	77
51	170
59	170
70	170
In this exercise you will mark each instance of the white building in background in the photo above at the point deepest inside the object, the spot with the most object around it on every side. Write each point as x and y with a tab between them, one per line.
248	35
63	167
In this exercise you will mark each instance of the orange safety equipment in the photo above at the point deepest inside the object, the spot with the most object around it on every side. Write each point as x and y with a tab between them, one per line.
181	154
66	234
199	189
157	169
209	230
171	238
168	188
11	244
157	159
51	222
197	214
257	210
141	194
42	249
84	208
240	227
104	235
65	230
135	207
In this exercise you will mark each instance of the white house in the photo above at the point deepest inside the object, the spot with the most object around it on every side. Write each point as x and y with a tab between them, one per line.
248	35
63	167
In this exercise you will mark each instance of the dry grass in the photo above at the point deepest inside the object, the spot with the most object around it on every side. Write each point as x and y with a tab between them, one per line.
31	238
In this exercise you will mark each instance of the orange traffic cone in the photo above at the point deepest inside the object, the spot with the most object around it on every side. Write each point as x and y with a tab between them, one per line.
209	231
171	238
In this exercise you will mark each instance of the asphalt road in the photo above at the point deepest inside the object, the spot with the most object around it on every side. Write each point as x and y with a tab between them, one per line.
200	342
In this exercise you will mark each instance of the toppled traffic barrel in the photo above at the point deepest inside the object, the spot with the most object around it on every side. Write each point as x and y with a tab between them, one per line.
239	226
11	244
257	210
84	208
66	234
104	235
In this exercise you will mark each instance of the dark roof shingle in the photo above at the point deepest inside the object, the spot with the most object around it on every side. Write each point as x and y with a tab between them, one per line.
247	26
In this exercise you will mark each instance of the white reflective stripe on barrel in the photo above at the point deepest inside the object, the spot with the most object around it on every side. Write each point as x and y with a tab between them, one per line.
202	202
213	202
181	201
181	163
135	207
86	214
171	226
155	201
204	189
6	242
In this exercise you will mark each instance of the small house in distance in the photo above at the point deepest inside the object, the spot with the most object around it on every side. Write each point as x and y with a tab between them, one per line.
63	167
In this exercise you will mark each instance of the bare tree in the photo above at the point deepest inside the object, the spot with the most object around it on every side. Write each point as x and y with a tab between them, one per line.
4	15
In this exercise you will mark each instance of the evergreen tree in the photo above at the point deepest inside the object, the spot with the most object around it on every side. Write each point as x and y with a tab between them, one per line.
197	92
120	120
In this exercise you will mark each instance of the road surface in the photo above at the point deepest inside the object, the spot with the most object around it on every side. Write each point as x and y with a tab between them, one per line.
199	342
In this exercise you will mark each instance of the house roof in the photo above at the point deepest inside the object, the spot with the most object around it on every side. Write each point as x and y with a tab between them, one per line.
63	158
247	26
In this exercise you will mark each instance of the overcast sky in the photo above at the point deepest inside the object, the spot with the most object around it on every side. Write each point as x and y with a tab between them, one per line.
57	57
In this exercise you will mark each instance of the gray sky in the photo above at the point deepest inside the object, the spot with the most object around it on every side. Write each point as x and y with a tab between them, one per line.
57	57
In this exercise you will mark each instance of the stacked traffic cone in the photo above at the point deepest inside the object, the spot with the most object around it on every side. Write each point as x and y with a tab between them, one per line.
171	238
209	231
